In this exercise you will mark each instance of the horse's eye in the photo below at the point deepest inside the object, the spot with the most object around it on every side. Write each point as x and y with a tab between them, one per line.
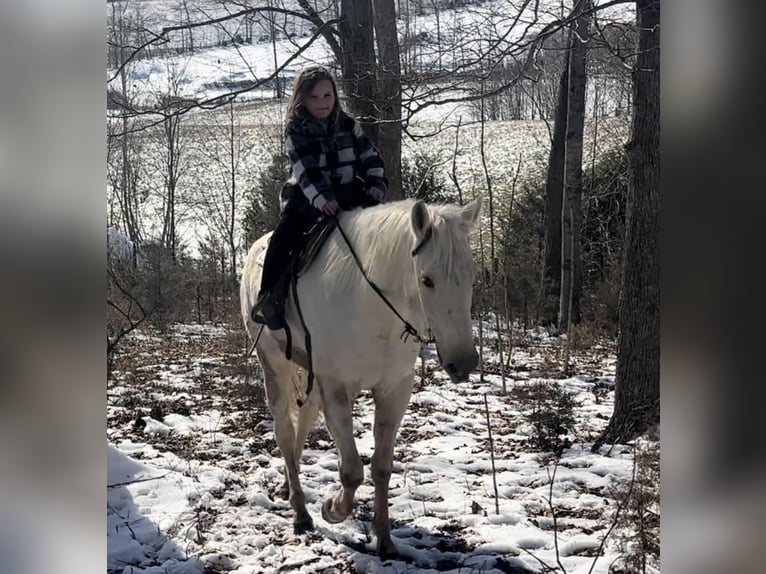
428	283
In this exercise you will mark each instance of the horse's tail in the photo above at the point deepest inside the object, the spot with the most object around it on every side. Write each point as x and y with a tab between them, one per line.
298	383
250	283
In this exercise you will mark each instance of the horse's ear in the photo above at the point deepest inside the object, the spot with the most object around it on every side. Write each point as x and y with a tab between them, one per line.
421	219
472	215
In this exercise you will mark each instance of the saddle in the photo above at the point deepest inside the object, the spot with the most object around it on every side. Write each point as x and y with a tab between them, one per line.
310	245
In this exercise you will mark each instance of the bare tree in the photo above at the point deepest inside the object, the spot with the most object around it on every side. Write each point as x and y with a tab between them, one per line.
319	21
219	202
358	64
554	201
188	38
171	131
271	16
122	147
571	211
637	392
494	266
389	96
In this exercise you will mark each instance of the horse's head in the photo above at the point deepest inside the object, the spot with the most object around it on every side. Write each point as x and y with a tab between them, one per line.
445	270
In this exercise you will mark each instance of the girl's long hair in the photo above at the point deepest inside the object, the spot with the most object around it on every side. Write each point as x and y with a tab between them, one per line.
304	84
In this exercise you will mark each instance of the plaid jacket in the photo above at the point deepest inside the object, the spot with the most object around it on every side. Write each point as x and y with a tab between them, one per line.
326	160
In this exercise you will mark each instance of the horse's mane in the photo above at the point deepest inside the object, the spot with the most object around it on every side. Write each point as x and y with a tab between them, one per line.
382	236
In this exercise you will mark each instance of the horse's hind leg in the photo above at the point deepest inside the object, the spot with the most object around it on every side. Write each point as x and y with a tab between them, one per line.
390	404
280	393
336	404
307	415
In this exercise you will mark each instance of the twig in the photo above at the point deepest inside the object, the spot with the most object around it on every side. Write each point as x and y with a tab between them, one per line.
492	455
115	485
453	174
547	566
121	517
553	515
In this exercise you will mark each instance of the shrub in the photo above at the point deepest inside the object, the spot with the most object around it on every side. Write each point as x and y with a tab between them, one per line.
605	188
637	530
552	417
422	179
262	211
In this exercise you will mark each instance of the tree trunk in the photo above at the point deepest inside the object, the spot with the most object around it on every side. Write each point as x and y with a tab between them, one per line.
169	234
275	54
492	258
126	195
637	394
554	199
358	69
389	96
571	214
231	223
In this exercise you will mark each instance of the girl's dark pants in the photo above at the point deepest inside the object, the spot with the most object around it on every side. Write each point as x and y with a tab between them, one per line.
297	217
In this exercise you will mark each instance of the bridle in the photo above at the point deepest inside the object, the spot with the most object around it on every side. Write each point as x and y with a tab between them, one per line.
409	329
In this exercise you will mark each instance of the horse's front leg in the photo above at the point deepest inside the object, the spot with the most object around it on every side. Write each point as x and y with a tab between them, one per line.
390	403
336	403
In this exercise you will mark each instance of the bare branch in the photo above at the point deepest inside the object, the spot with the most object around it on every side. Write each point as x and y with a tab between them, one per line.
329	34
162	37
183	105
531	47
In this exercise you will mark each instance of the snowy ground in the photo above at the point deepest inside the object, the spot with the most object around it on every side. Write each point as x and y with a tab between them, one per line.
193	469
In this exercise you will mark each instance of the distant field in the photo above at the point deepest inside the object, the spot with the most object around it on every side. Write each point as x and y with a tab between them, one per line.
508	144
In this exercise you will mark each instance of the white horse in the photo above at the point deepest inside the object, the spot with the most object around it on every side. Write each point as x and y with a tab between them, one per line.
421	259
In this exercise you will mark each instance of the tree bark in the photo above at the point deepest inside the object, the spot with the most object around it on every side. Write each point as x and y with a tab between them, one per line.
389	96
554	199
358	69
637	393
571	214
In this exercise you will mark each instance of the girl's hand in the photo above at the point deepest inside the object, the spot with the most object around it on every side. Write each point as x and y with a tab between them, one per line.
330	208
376	193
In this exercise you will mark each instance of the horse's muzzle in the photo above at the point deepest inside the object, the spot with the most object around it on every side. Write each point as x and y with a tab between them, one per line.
462	366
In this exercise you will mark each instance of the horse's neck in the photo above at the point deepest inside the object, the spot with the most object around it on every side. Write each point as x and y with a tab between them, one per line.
383	245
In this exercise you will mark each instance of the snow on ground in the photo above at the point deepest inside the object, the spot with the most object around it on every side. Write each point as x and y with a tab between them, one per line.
194	469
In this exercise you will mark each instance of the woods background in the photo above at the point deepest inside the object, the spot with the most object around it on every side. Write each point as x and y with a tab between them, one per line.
548	111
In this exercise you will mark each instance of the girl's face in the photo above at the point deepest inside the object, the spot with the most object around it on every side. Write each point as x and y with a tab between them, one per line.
321	101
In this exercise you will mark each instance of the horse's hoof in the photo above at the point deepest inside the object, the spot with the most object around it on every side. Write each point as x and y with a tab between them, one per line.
387	550
303	525
329	515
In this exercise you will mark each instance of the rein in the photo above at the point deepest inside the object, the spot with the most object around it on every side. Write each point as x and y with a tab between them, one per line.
409	330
